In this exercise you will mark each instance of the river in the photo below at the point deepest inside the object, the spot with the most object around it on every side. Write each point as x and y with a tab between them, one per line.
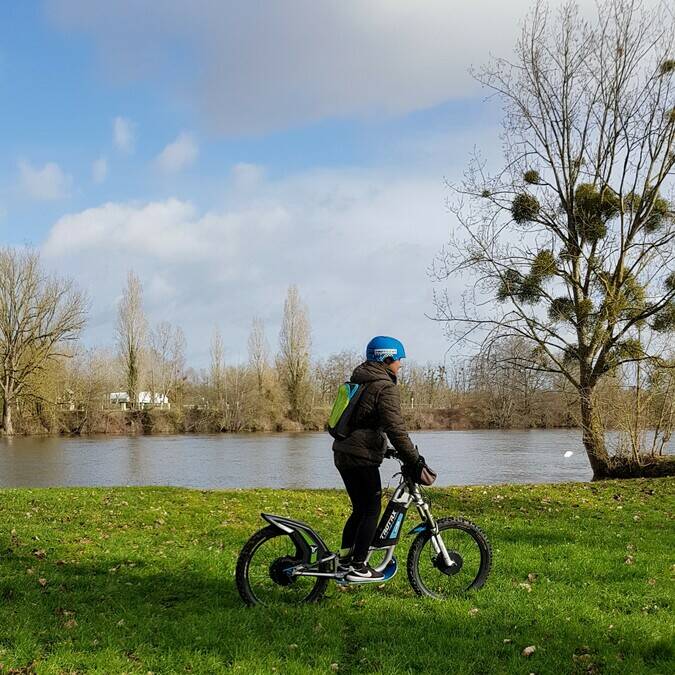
282	460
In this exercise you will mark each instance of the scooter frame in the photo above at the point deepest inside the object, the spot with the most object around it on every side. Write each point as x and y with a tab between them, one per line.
387	536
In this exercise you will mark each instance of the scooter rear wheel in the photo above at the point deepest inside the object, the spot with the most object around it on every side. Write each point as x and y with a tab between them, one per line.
261	571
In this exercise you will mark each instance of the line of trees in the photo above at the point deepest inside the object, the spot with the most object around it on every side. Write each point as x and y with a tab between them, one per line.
46	373
52	383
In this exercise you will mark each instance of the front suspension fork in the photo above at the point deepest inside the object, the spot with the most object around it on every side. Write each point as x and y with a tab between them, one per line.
436	540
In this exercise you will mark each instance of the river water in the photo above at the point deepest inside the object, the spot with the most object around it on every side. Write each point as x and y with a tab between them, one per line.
282	460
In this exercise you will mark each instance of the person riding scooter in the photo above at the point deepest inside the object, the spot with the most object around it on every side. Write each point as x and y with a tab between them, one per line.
358	457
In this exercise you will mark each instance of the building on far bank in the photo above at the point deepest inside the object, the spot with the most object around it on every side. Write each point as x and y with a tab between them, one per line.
120	399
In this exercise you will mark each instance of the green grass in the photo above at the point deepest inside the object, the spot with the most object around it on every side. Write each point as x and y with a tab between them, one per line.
141	580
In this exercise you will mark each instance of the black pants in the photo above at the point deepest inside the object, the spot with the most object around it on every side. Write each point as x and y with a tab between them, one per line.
365	491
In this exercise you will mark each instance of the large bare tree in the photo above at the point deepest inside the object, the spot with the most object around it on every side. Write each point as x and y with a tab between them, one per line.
39	313
574	235
131	331
293	361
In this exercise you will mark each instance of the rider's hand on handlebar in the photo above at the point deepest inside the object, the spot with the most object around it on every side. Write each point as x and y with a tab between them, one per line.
420	472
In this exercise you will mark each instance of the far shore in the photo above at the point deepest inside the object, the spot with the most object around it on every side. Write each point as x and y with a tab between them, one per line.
204	421
268	432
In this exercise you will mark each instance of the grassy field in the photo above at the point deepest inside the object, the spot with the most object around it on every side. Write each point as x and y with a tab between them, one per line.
141	580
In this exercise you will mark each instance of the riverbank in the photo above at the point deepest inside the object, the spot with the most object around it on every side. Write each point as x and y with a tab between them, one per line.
142	579
204	420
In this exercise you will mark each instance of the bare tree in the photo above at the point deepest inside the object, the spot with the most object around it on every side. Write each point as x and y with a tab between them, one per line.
235	412
258	351
508	389
424	385
131	332
167	359
662	391
574	235
217	367
88	379
331	372
293	361
647	409
38	314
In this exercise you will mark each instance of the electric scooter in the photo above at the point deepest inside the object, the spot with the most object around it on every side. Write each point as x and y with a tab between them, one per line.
289	562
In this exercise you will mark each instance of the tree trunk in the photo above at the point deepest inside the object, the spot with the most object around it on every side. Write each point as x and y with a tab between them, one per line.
7	427
593	434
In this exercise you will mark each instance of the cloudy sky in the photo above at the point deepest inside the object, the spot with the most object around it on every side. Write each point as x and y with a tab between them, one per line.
224	150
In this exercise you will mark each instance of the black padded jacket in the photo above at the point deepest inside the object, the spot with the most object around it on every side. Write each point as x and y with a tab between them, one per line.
378	412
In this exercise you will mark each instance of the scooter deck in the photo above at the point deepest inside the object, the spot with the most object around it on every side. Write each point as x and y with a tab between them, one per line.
389	572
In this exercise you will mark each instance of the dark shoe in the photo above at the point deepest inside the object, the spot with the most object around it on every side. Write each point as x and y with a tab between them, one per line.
344	564
362	573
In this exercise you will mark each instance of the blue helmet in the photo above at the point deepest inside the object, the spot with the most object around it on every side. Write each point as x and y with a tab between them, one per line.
382	347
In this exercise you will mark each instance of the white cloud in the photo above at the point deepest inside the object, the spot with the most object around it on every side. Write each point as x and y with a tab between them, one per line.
260	67
99	170
46	183
124	134
246	176
358	243
178	154
156	230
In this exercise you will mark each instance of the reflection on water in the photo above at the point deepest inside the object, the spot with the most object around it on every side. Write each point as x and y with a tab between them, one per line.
281	460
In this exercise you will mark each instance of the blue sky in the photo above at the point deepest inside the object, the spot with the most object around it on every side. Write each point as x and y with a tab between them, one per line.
266	144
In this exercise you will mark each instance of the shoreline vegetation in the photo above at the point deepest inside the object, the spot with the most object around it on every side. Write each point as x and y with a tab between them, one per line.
195	420
142	579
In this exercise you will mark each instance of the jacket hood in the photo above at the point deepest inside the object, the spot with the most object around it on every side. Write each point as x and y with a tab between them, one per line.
371	371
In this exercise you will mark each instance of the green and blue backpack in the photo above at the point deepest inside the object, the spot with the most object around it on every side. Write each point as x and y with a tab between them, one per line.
343	409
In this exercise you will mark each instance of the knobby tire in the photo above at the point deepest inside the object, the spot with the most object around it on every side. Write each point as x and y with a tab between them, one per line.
423	539
244	560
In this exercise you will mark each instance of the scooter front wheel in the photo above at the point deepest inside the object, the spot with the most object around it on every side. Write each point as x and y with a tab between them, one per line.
470	556
262	571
